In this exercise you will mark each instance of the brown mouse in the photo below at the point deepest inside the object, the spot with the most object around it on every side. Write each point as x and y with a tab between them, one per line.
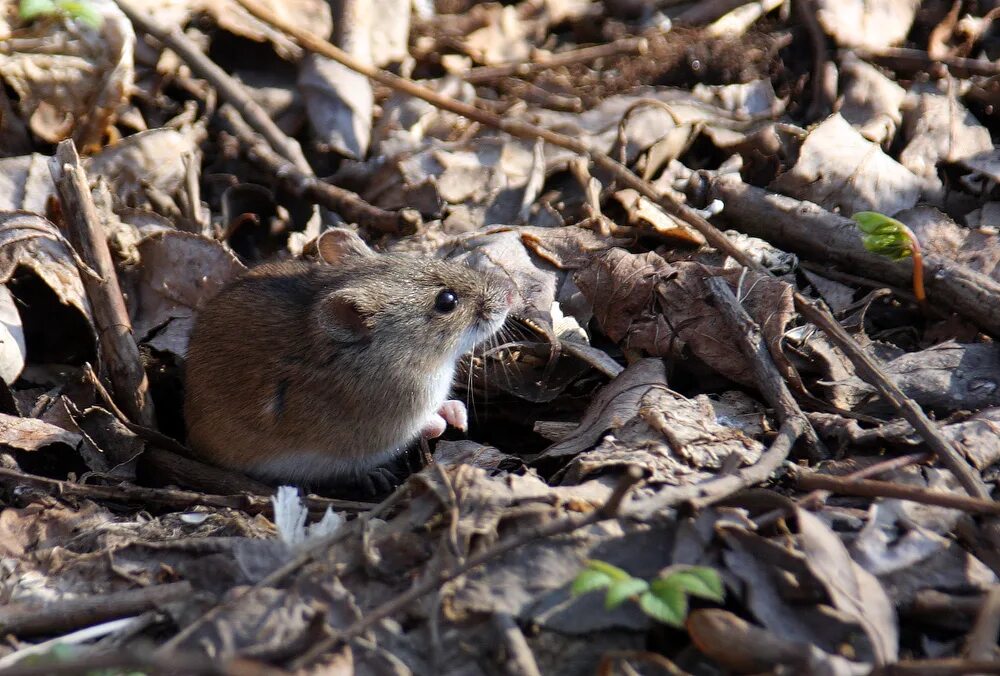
304	371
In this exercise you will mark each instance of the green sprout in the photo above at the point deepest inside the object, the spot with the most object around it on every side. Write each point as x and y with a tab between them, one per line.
888	237
81	10
665	598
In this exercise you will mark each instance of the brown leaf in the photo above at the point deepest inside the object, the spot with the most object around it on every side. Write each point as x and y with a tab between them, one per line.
852	589
620	286
30	241
178	272
874	24
688	309
615	404
674	439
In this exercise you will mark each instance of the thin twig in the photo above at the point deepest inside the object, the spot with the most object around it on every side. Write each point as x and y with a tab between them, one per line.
119	352
433	581
981	643
941	667
519	660
868	488
910	60
629	45
766	375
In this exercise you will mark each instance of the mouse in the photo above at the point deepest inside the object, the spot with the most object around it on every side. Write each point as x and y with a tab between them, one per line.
302	371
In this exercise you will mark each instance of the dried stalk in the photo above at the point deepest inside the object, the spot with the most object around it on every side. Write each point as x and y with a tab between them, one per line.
119	353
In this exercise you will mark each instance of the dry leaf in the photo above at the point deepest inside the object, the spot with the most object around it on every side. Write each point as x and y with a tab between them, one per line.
840	170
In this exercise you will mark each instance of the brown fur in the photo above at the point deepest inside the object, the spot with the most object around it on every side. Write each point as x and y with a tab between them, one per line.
307	371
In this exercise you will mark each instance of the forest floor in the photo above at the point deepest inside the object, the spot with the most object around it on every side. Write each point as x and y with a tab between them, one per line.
745	420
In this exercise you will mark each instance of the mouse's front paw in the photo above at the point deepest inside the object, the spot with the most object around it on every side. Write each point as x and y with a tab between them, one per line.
455	413
452	412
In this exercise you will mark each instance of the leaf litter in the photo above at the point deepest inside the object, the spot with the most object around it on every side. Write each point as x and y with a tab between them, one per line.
619	359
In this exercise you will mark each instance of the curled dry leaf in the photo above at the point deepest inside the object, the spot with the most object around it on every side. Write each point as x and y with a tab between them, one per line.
25	183
873	24
745	648
614	405
674	439
869	100
906	544
70	79
502	39
177	274
645	303
31	242
940	129
621	288
839	169
12	345
309	15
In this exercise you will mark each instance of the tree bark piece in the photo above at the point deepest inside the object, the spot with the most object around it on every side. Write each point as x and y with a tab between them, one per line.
119	353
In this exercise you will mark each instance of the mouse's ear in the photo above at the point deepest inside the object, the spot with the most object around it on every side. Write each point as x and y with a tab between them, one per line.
340	244
345	316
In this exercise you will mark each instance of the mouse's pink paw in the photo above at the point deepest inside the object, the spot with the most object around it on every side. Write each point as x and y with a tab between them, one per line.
455	413
452	412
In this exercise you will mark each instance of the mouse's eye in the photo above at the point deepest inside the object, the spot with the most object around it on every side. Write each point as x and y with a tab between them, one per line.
446	301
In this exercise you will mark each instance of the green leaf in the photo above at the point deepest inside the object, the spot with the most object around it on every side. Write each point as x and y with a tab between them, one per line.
874	223
623	590
883	235
702	582
670	593
30	9
661	610
82	11
614	572
589	580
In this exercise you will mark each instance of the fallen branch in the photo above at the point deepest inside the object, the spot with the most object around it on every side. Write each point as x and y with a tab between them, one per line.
64	615
349	205
766	375
165	498
868	488
435	580
119	353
